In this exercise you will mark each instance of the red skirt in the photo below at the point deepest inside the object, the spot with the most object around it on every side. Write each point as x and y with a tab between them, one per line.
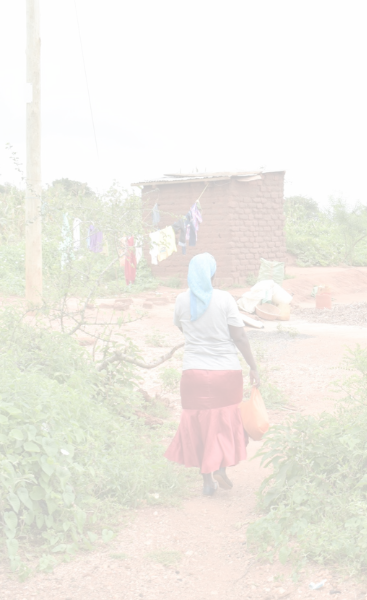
210	434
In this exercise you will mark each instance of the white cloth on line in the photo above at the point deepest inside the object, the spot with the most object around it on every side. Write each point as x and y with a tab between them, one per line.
163	244
138	248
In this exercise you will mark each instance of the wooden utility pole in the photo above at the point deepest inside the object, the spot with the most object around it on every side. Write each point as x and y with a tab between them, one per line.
33	227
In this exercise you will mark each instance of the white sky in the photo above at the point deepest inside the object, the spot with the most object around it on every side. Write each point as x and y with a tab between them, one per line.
207	84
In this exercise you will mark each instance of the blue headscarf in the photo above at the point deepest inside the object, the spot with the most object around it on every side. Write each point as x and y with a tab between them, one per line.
201	270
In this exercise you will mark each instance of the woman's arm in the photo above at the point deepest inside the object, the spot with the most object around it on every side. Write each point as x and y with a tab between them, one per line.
239	337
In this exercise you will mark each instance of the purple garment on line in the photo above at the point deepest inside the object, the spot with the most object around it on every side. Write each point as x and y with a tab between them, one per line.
194	219
95	239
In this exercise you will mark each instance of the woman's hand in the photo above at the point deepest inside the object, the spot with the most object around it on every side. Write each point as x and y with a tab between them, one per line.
239	337
254	377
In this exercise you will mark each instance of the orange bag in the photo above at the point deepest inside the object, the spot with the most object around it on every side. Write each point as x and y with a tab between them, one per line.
254	415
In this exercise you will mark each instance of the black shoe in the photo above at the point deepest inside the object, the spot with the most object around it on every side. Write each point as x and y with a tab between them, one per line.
209	489
221	477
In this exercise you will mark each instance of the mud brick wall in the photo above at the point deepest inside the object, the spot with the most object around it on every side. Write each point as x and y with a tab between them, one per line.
256	224
242	222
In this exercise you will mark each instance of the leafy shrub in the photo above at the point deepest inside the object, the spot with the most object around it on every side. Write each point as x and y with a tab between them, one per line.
271	394
315	500
251	279
65	454
67	271
156	339
352	225
12	266
12	219
173	282
170	378
310	233
336	235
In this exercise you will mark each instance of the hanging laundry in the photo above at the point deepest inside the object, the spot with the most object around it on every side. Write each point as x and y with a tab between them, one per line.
197	219
139	248
163	244
123	249
156	215
180	227
190	231
76	233
95	239
130	261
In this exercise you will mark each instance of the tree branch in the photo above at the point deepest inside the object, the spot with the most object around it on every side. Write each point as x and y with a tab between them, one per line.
82	312
116	356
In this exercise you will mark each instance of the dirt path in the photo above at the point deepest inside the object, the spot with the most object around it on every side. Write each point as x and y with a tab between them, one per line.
207	536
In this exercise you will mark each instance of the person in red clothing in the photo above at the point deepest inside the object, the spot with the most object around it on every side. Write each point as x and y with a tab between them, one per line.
210	435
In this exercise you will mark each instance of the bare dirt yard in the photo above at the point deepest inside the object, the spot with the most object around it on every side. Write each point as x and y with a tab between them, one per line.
197	548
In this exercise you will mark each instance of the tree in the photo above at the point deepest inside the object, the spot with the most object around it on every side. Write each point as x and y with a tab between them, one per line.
352	225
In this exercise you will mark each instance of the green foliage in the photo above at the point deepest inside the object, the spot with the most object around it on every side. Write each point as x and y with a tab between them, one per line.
144	279
251	279
315	500
291	331
66	270
173	282
336	235
352	225
119	556
74	439
12	266
170	378
156	339
273	397
12	220
71	446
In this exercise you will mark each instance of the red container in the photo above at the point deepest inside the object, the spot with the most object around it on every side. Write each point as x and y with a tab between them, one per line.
323	300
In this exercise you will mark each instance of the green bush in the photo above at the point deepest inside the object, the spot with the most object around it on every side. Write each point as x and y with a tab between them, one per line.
173	282
334	236
12	266
156	339
315	500
74	443
67	271
66	454
170	378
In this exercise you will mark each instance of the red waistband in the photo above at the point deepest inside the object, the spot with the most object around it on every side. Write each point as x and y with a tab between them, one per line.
203	389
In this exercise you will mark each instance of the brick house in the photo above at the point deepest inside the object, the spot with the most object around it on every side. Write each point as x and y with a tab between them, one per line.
243	220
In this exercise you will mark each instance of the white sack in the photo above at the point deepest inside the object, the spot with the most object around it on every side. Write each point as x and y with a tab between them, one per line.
263	291
280	296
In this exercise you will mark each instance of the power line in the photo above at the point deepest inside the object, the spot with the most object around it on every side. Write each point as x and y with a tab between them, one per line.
86	78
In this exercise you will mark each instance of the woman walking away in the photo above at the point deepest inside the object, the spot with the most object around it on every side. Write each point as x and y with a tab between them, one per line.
210	435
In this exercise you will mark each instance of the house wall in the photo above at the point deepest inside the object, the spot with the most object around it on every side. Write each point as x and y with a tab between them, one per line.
242	222
256	224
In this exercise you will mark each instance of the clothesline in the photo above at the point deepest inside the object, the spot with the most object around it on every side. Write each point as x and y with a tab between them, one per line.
163	241
130	251
155	207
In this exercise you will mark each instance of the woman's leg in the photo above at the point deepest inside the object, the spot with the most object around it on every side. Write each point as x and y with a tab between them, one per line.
210	486
221	477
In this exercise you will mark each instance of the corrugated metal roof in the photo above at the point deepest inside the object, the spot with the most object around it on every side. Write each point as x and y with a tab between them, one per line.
205	177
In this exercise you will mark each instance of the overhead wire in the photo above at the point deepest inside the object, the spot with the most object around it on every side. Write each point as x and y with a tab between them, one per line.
86	78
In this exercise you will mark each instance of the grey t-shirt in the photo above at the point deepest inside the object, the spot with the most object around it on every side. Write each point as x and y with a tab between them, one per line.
208	344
